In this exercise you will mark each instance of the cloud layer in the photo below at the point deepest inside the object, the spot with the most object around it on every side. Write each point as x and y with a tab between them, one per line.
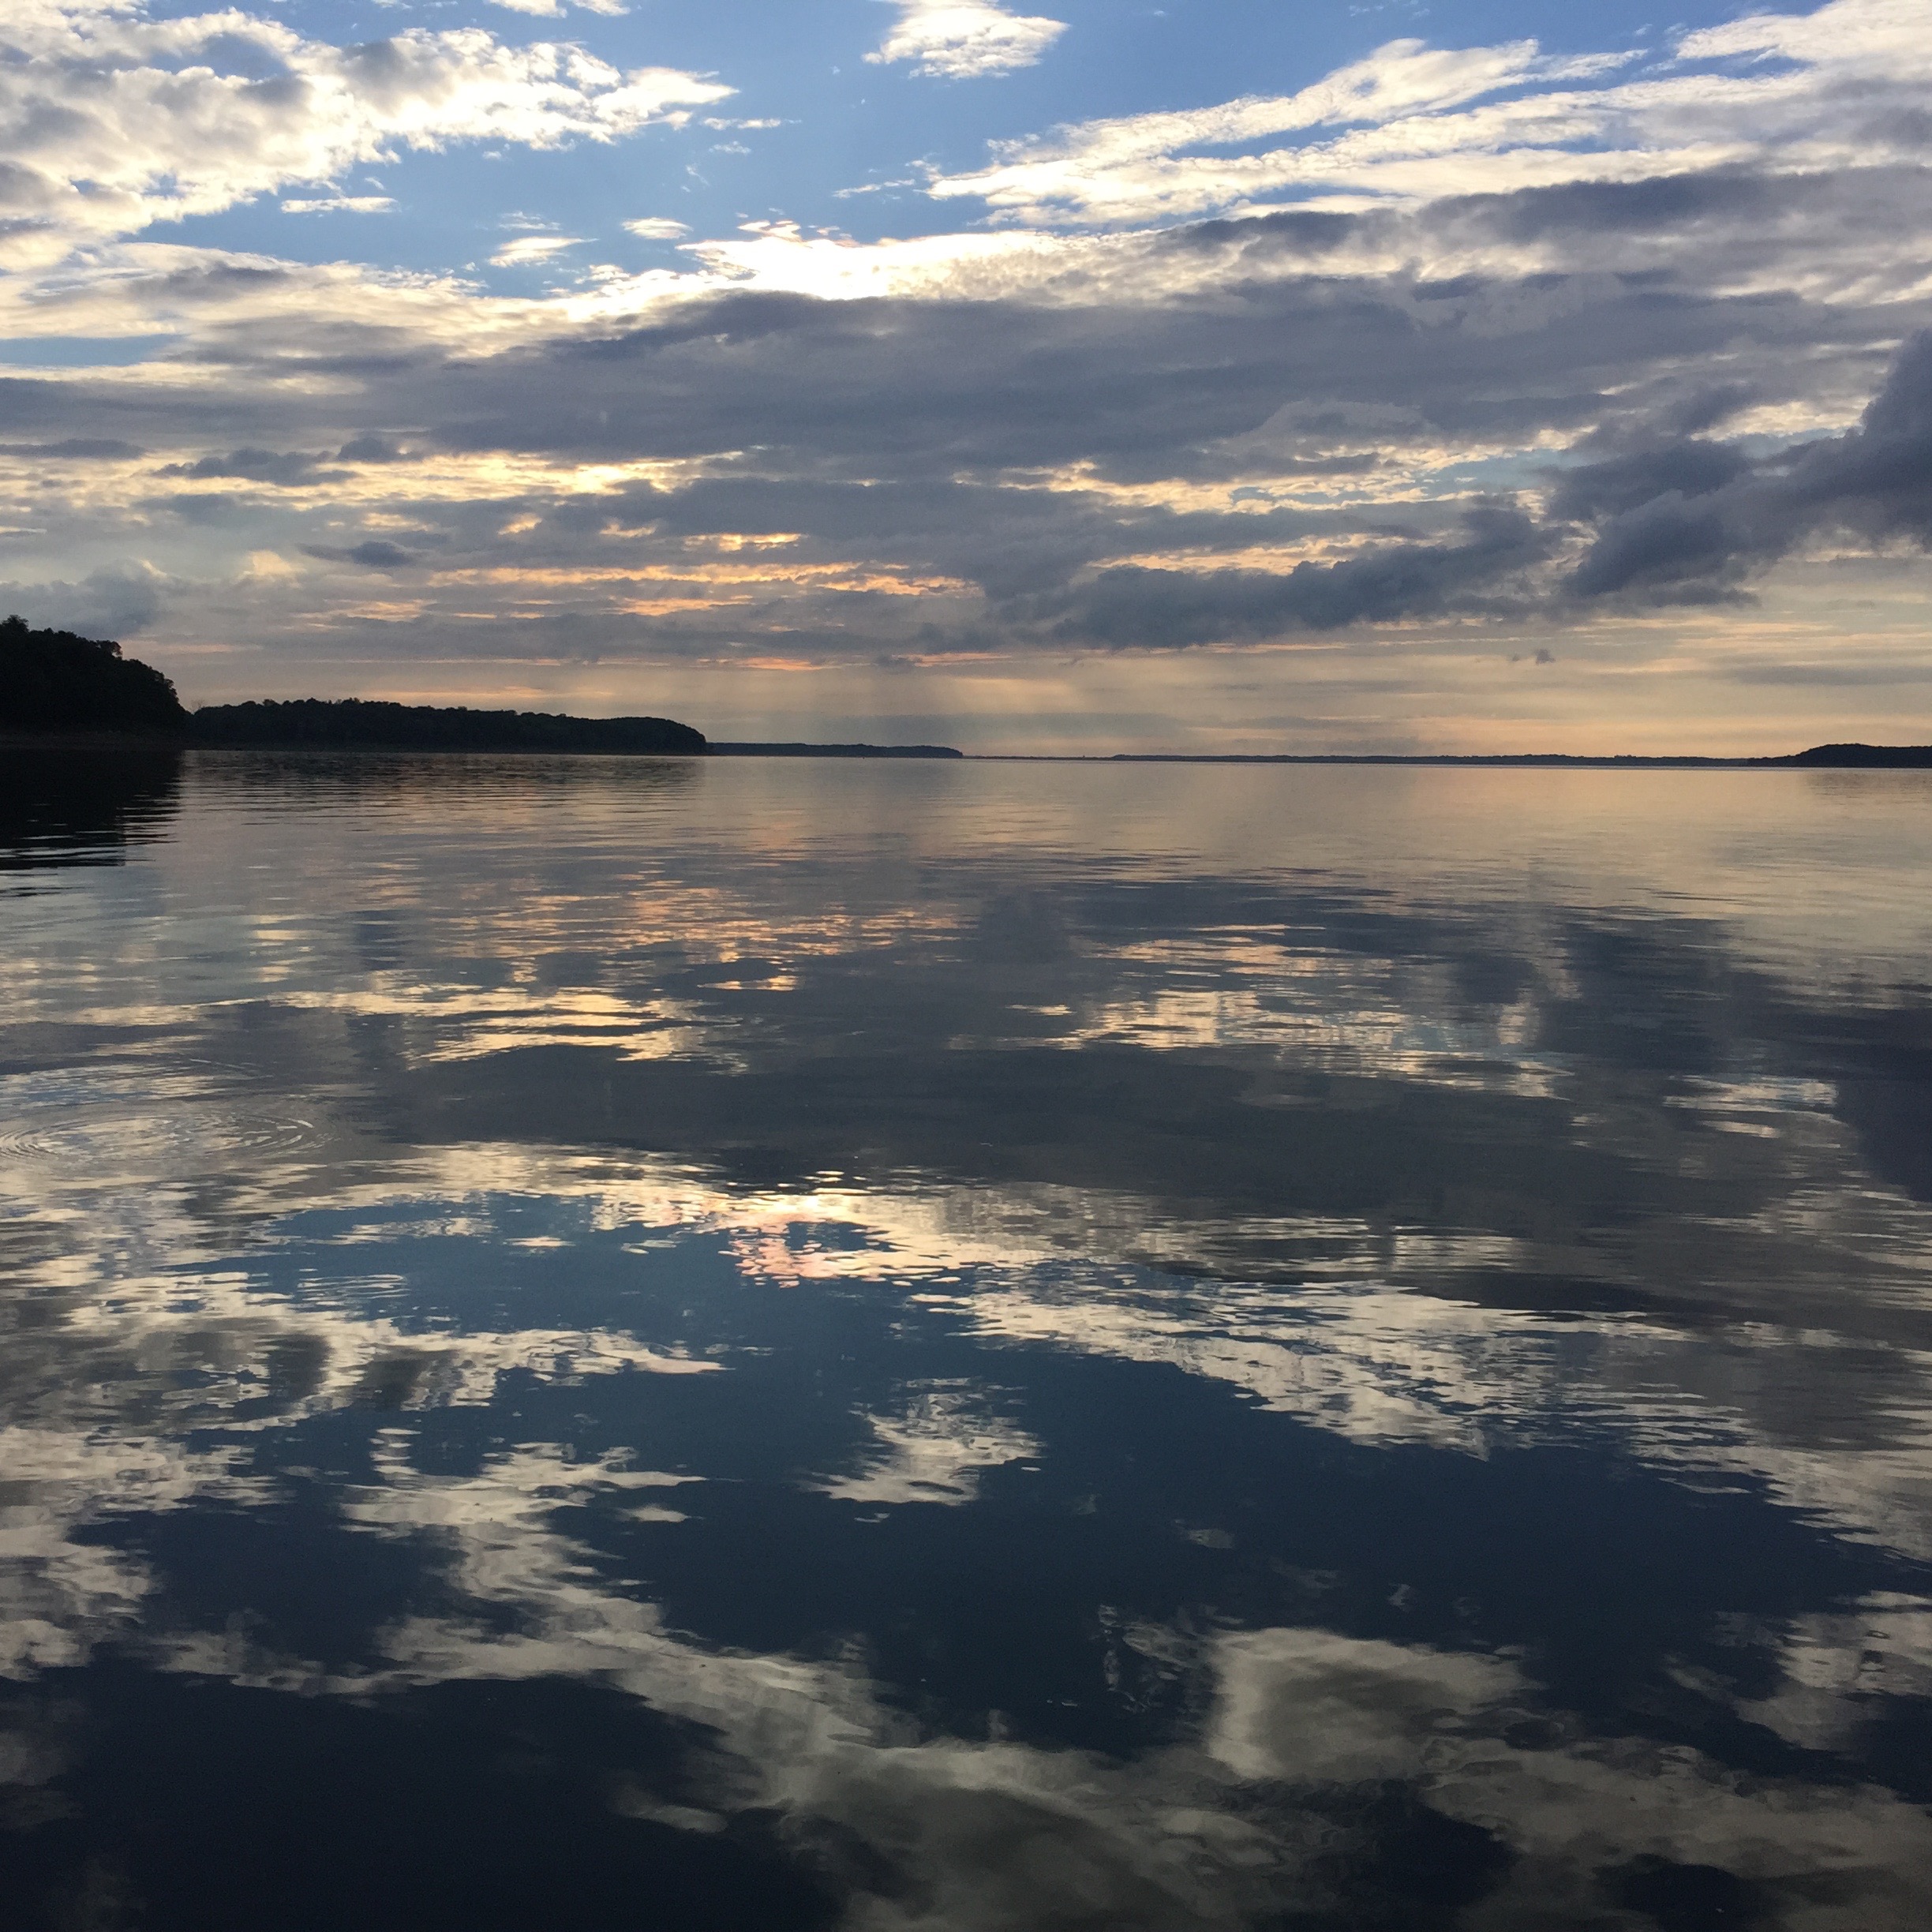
1462	382
1838	88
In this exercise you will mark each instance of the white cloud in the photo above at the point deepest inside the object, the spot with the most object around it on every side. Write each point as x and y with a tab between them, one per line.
1411	122
555	10
527	250
110	120
341	205
657	228
965	40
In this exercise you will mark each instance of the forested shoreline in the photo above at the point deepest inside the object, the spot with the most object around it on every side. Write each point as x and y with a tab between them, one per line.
54	683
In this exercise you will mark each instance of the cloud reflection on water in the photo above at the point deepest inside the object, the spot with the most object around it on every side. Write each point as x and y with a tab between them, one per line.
572	1215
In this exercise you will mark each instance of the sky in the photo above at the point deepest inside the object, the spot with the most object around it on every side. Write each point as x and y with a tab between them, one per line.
1230	376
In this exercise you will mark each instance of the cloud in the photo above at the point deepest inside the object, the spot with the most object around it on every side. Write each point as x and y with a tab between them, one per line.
1625	483
113	119
1412	123
1688	524
965	39
286	467
115	601
530	250
76	449
1136	168
374	553
657	228
340	204
556	9
1389	583
371	448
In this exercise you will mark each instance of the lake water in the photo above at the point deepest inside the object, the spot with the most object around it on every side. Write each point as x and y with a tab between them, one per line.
759	1345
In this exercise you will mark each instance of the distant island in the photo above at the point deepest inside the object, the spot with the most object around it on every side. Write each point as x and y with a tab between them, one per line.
56	685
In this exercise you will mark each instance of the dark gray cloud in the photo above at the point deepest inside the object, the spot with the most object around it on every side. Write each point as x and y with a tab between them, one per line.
894	389
112	603
1679	529
1670	550
76	449
375	553
1591	490
371	448
258	466
208	509
1499	546
1720	198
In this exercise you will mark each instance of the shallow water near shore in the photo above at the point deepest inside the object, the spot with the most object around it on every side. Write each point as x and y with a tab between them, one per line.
624	1342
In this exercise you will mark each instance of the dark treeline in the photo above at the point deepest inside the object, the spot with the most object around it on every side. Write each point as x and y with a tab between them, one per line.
348	723
1876	758
54	681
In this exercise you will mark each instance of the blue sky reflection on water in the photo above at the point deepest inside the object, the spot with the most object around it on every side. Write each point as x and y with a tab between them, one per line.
971	1346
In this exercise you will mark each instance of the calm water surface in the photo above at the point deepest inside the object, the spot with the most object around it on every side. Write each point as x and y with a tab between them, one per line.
761	1346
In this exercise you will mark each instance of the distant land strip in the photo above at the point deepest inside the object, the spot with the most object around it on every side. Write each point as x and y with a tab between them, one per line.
357	723
56	686
1819	757
719	748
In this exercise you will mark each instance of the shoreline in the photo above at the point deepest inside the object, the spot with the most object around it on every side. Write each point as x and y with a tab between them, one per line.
1824	757
1820	757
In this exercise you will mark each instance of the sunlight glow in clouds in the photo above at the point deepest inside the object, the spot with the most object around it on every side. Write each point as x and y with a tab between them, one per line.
556	9
530	249
965	40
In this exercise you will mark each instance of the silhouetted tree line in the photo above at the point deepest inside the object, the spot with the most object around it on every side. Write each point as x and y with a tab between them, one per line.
346	722
52	681
1872	757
